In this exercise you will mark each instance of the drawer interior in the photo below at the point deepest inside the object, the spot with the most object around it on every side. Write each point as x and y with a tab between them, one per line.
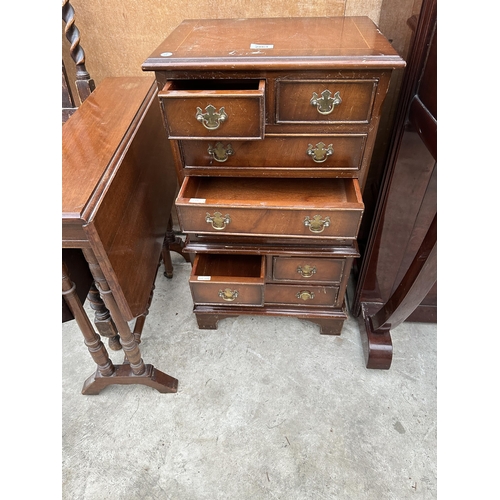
289	193
212	84
229	266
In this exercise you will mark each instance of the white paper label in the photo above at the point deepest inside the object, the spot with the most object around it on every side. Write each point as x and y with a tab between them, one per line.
261	46
197	200
204	278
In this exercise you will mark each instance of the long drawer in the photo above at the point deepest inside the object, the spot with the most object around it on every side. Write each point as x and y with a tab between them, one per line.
307	208
338	152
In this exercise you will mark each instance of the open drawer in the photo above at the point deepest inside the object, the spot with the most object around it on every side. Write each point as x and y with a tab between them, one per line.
214	109
228	279
306	208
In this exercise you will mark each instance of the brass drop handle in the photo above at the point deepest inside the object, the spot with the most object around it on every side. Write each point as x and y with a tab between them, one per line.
211	119
326	102
307	271
305	295
321	152
317	224
218	221
228	294
219	152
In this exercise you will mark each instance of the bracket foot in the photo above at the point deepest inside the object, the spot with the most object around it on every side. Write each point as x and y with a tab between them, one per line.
124	375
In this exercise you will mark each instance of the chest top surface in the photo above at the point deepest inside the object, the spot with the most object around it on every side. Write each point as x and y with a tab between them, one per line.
322	42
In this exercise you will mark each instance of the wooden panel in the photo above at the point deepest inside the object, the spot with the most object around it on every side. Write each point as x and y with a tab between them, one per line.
280	153
301	295
243	109
311	268
294	101
133	215
407	201
271	207
73	235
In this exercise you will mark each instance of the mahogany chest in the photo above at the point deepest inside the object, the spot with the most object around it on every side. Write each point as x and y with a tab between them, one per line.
272	123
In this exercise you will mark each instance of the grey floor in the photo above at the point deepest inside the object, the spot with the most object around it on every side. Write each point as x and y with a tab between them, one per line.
267	408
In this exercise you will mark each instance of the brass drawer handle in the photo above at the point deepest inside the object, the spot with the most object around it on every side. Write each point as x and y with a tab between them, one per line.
321	152
219	152
326	102
211	120
228	294
305	295
317	224
307	271
218	221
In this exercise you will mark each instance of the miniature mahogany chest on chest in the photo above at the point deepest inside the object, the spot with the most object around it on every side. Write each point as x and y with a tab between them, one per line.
272	123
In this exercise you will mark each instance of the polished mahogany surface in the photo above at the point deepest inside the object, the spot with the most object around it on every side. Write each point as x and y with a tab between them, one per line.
408	200
118	186
397	276
273	123
326	42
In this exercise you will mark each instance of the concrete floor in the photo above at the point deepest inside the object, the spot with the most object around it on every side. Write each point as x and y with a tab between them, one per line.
267	408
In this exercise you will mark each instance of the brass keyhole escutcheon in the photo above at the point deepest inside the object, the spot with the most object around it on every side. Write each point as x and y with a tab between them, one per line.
321	152
326	103
228	294
307	271
305	295
219	152
316	224
218	221
211	119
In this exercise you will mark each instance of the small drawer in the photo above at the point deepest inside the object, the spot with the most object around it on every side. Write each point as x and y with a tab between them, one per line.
228	279
214	109
305	208
342	152
302	295
332	101
311	269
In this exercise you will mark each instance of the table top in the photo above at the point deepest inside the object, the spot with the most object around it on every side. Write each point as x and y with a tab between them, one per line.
322	42
91	140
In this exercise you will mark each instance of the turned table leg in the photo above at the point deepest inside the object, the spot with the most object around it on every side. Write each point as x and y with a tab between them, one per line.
102	319
97	350
135	371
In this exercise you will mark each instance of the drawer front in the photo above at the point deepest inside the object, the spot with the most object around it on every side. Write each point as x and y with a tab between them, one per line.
335	152
305	295
213	114
309	208
333	101
227	293
341	223
311	269
228	279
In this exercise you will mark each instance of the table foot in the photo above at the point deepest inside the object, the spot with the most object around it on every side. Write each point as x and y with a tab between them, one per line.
124	375
377	347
